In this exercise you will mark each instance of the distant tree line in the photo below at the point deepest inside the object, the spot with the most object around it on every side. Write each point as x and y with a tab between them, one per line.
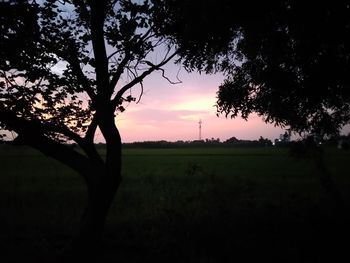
233	141
340	141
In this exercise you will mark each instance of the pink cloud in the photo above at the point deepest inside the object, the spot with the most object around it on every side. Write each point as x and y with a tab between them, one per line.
171	112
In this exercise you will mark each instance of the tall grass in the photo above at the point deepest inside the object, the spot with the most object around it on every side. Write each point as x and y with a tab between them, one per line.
178	205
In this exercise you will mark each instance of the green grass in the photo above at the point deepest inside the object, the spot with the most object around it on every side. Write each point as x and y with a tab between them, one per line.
179	205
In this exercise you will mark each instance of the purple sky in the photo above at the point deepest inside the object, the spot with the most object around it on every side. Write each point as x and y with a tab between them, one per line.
171	112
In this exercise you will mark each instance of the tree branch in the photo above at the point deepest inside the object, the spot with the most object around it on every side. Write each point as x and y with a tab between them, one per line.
118	97
119	71
81	6
88	142
141	93
98	14
90	133
13	121
73	59
126	59
83	80
163	74
32	134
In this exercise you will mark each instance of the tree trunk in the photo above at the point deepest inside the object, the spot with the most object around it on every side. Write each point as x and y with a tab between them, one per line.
102	188
86	245
100	199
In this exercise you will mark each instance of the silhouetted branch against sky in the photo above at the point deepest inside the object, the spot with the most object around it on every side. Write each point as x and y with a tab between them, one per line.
293	57
77	48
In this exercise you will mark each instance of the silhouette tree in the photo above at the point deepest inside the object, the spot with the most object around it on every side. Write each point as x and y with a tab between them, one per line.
286	61
295	68
66	69
232	140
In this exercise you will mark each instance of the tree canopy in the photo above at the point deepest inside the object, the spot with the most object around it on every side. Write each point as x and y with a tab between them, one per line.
61	61
287	61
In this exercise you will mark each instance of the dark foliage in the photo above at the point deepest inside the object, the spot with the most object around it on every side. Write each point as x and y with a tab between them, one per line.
287	61
296	68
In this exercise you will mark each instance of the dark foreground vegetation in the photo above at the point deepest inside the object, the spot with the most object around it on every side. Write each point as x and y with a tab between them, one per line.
180	205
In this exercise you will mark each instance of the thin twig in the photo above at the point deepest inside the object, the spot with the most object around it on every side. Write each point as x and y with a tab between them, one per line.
141	93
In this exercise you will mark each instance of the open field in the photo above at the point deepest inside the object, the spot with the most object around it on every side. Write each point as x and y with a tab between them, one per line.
180	205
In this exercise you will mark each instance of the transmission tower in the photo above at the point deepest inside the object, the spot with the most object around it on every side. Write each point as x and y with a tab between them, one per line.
200	129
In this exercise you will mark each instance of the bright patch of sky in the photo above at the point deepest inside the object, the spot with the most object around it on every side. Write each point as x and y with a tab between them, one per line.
172	112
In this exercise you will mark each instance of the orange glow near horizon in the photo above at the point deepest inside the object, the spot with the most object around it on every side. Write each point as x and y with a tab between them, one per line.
171	112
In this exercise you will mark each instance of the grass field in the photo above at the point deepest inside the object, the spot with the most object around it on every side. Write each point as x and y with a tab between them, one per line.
180	205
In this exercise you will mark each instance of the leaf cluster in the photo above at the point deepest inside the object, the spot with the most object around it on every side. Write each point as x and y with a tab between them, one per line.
285	60
200	29
295	68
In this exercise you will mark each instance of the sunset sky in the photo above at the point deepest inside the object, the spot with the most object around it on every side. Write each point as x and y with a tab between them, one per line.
171	112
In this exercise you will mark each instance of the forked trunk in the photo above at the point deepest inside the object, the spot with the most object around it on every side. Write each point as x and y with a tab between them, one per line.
102	187
101	192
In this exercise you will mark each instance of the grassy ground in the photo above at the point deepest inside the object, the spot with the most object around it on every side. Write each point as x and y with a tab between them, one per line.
180	205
